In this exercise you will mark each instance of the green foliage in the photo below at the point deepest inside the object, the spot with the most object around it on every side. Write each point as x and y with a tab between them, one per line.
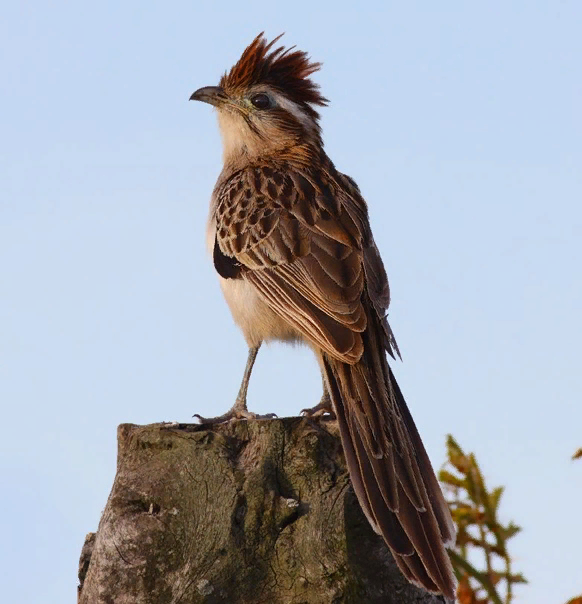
480	534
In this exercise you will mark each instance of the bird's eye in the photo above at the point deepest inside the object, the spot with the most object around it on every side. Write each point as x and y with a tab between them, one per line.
261	101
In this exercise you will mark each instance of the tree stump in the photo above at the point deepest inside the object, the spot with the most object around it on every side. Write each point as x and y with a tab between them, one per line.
247	512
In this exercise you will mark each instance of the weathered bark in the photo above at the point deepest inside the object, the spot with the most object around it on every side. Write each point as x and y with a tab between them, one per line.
240	513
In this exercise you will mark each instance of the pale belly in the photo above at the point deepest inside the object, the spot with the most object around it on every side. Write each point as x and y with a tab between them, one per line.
254	317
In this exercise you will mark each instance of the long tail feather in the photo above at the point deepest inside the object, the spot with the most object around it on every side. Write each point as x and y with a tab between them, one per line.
390	470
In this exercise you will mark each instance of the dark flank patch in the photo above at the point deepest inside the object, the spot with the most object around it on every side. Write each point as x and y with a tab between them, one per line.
226	267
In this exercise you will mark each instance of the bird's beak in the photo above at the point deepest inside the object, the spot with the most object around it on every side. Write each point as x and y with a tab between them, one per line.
214	95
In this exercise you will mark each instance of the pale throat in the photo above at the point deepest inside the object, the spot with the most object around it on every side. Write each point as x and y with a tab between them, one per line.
236	138
239	142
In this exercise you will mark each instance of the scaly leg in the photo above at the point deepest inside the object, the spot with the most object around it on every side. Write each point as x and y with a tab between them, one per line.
239	409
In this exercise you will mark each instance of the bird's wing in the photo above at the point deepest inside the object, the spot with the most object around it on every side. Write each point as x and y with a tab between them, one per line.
302	249
376	278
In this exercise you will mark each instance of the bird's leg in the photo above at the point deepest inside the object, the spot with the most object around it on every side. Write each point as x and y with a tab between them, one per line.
239	409
240	404
324	407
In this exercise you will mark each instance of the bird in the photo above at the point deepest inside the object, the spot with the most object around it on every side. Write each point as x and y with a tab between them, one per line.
291	241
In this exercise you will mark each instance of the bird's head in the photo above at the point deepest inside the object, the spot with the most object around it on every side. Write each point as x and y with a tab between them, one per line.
266	101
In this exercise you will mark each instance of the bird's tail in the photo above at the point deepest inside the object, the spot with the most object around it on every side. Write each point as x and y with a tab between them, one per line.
390	470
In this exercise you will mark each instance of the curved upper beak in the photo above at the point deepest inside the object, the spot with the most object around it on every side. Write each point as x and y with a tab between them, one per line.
214	95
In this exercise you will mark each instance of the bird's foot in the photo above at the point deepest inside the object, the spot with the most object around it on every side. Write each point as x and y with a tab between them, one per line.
238	411
322	410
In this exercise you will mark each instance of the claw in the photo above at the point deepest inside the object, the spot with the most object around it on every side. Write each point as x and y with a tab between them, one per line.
322	409
239	411
251	415
235	416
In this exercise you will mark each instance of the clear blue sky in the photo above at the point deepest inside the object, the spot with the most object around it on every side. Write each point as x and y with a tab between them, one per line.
462	125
